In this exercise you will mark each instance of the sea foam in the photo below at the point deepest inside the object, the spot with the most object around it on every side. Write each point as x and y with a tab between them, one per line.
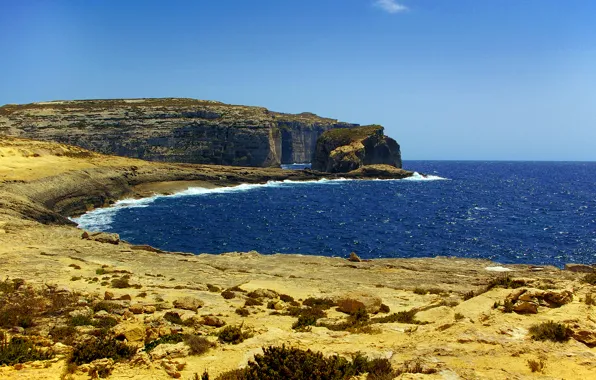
101	219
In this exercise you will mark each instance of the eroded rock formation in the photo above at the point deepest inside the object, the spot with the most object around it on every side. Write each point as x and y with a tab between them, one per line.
172	130
345	150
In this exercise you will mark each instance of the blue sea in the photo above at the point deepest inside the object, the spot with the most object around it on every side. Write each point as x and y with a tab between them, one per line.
510	212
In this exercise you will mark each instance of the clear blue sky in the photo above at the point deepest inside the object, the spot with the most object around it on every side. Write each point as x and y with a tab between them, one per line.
449	79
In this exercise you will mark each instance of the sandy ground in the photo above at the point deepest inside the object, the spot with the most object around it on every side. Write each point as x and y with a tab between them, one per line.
463	339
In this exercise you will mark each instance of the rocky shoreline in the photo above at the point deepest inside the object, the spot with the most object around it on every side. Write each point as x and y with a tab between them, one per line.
441	317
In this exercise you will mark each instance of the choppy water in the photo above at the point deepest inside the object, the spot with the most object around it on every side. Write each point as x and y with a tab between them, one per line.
510	212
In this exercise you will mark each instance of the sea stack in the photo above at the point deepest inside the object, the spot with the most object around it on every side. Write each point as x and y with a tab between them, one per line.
347	149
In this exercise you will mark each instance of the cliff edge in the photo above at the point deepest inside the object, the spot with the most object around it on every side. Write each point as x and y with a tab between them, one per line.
345	150
172	130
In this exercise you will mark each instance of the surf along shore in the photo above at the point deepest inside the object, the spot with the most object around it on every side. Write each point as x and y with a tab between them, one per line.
431	318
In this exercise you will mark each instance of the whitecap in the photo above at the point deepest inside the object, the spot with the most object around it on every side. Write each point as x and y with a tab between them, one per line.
421	177
101	219
498	269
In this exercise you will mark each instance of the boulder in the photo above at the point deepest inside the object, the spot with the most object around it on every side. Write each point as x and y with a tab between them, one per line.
102	237
149	309
347	149
524	307
136	308
167	350
263	293
580	268
354	258
349	302
188	303
586	336
108	296
132	332
213	321
558	297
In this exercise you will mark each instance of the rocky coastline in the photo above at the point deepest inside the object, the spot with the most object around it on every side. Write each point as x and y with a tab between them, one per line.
177	314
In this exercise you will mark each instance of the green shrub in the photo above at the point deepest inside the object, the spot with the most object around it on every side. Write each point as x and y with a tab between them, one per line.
286	298
105	323
469	295
536	365
103	347
321	303
507	306
550	330
81	320
20	350
296	364
399	317
590	278
121	283
64	334
198	344
253	302
233	335
171	338
106	306
505	282
228	294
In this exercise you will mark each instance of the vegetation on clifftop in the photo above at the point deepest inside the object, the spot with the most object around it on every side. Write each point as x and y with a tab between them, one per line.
344	136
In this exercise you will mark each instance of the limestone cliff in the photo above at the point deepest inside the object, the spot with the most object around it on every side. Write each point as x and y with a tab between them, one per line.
345	150
172	130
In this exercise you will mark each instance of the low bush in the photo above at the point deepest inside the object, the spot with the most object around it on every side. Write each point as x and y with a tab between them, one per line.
63	334
106	306
536	365
469	295
399	317
414	366
505	282
20	350
321	303
171	338
296	364
198	344
233	335
550	330
103	347
228	294
286	298
121	283
20	305
253	302
81	320
590	278
507	306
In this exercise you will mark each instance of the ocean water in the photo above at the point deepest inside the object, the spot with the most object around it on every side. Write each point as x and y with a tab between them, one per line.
509	212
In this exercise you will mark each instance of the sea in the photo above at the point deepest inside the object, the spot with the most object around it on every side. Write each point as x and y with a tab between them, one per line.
535	213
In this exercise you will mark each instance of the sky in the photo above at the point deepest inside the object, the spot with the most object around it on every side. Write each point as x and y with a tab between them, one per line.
449	79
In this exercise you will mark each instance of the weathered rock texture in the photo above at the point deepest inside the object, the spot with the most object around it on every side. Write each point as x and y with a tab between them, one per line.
172	130
344	150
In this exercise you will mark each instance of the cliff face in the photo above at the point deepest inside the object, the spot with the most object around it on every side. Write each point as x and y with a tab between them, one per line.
344	150
172	130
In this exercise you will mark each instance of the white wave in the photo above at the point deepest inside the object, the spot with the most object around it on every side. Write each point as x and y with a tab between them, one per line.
101	219
428	177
